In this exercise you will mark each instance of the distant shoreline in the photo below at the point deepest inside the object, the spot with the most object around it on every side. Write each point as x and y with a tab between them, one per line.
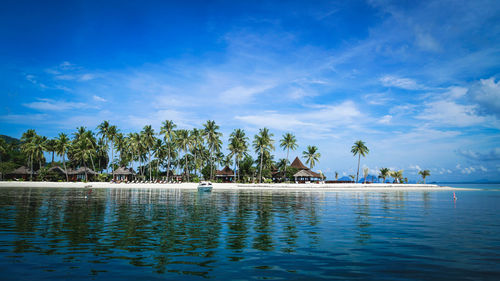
236	186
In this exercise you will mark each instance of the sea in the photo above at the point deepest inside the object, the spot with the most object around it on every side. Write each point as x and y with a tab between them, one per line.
174	234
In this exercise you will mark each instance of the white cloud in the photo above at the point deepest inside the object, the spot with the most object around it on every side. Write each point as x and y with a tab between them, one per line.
386	119
53	105
403	83
98	98
486	93
241	94
449	113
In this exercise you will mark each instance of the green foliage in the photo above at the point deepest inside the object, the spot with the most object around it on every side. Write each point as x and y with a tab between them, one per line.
103	177
268	181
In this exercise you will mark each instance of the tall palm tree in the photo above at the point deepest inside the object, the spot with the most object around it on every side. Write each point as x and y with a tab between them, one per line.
311	155
212	136
103	131
359	148
148	138
167	130
263	142
238	146
112	134
288	142
384	173
195	145
424	174
26	140
184	141
62	147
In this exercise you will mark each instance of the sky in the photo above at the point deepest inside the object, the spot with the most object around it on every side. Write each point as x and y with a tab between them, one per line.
417	81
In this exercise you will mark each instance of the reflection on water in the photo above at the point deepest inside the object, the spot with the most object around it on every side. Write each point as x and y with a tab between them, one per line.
126	233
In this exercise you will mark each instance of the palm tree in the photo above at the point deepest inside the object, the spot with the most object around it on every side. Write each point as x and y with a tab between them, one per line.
424	174
397	175
311	155
195	145
167	130
288	142
384	173
365	174
263	142
238	146
50	146
359	148
212	136
184	141
62	146
26	140
112	134
148	138
103	131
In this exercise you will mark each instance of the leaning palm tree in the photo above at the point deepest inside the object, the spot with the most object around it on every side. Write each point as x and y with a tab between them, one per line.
288	142
167	130
62	147
311	155
359	148
26	148
148	138
263	142
212	136
196	144
384	173
424	174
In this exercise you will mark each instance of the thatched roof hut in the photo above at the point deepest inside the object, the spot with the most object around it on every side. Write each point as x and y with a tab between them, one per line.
23	170
57	169
225	172
297	164
81	171
124	171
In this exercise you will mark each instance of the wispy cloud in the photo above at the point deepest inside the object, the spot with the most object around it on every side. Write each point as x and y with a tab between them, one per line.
53	105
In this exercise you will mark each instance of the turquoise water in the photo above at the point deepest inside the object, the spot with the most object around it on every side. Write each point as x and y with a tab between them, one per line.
126	234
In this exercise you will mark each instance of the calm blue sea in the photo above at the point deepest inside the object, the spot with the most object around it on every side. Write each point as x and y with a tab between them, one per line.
129	234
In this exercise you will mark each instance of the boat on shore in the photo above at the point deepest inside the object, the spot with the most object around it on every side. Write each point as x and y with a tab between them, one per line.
205	186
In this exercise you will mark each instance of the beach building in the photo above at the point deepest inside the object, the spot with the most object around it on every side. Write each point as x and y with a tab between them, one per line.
304	174
20	173
56	173
79	174
225	175
124	174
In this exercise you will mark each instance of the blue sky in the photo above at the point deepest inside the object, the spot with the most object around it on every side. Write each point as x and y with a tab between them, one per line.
418	81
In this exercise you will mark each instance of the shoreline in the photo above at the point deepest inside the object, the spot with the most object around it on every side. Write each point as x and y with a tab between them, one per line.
237	186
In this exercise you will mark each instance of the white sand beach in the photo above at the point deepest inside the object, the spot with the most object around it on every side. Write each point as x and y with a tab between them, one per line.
233	186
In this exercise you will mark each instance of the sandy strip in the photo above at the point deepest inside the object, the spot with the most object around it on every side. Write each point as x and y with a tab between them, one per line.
231	186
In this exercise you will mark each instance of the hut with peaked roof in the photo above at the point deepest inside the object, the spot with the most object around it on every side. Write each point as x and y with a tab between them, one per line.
22	172
123	174
225	175
79	174
56	173
304	174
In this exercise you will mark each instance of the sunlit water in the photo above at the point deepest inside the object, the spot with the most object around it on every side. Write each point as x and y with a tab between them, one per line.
127	234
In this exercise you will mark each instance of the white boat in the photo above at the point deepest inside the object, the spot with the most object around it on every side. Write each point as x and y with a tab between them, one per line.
205	186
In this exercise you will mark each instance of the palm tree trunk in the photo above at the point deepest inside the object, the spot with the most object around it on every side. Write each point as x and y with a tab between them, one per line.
235	159
357	174
85	167
52	157
168	166
260	170
31	167
211	165
287	152
149	159
65	170
186	166
112	156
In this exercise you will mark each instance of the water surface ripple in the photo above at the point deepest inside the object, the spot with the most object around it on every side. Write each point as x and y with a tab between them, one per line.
126	234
